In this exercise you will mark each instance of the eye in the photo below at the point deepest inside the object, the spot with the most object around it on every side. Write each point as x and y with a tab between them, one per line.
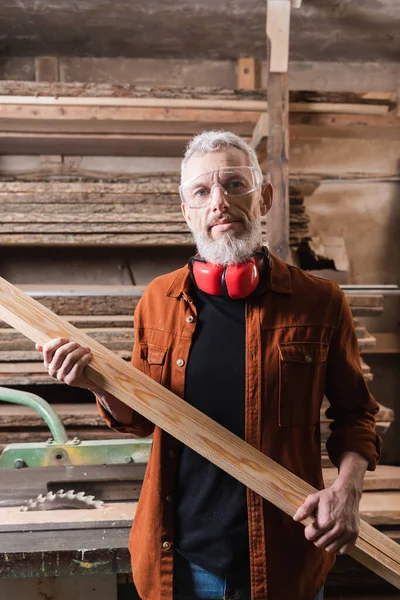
201	193
235	185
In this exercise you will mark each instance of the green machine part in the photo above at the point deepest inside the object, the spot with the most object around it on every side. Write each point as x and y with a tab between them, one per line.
59	450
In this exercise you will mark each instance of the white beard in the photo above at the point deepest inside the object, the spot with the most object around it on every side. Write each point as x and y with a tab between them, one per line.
231	247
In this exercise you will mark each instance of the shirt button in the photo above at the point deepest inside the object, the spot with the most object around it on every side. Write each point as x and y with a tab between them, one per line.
189	319
308	358
180	362
168	498
171	453
167	545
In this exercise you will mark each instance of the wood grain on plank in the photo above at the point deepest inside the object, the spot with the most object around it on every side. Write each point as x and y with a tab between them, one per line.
190	426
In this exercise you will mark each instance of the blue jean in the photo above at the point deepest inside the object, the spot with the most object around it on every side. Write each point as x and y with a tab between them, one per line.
192	582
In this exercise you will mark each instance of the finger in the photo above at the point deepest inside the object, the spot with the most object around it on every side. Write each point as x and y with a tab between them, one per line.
69	362
337	544
50	348
59	357
347	547
77	371
39	348
314	532
307	509
328	537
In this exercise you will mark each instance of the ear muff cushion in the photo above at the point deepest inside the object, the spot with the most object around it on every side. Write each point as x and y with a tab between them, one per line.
208	277
241	280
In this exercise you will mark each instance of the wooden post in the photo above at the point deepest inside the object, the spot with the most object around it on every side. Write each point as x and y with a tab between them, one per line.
181	420
278	163
278	28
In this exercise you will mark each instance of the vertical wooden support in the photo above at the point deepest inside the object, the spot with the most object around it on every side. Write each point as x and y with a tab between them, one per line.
248	73
278	163
278	29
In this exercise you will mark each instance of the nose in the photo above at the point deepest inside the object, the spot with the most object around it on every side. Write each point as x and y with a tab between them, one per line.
219	197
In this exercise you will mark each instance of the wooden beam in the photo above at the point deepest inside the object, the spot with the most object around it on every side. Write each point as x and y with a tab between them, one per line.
248	73
259	139
278	163
278	29
181	420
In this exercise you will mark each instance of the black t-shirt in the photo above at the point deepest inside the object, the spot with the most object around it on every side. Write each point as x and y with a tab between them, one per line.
211	516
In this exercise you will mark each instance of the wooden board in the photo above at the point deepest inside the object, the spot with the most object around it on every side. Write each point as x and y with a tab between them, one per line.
116	514
190	426
385	477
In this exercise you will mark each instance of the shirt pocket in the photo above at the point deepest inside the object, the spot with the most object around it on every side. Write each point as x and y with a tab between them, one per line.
302	367
153	360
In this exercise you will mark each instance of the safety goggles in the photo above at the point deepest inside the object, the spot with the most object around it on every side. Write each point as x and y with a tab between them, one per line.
234	182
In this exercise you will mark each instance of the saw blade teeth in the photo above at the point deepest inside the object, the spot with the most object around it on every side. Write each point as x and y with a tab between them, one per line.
62	500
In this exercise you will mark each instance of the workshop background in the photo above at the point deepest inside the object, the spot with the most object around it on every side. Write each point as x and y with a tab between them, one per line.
97	102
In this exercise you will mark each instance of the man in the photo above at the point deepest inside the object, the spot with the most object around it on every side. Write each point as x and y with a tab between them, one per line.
255	344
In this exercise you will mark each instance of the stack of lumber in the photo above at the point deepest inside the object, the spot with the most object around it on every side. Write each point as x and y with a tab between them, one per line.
144	211
112	120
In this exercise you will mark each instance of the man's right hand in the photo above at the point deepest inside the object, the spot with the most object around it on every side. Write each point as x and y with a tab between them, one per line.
66	361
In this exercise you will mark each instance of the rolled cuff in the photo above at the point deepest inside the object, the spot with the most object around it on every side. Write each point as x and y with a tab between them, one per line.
355	439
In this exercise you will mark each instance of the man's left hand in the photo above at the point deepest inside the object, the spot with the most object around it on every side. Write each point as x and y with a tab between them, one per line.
337	517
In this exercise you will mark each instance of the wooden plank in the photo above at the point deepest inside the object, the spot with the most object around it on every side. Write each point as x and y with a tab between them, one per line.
139	187
96	239
213	103
91	213
248	73
386	343
363	306
125	91
312	125
278	163
381	508
190	426
83	300
278	29
92	144
113	338
385	477
32	355
120	514
122	119
88	321
339	108
81	228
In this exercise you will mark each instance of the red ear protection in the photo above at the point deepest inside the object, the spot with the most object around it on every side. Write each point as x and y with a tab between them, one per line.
236	281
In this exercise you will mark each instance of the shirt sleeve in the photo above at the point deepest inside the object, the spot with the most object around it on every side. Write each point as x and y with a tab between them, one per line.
139	426
352	407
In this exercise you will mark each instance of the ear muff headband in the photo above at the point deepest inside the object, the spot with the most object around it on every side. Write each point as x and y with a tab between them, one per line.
236	281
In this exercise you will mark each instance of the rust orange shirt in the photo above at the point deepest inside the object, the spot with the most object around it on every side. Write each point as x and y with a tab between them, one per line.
300	345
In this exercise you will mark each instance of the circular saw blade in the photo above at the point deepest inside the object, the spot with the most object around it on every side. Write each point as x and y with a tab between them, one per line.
61	500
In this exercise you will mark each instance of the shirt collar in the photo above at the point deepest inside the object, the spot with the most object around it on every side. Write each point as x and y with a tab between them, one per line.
279	281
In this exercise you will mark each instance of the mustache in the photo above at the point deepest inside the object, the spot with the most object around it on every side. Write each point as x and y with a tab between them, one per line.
226	218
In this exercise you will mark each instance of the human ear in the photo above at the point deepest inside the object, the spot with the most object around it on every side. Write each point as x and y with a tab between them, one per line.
267	194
